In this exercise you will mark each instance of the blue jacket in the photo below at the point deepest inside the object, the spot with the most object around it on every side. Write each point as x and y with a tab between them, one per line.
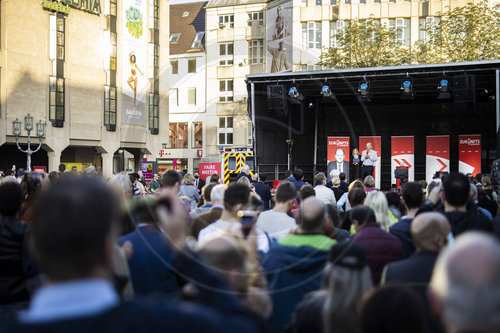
291	272
152	265
264	191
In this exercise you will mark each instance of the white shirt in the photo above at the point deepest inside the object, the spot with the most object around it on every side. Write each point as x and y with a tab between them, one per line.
77	298
370	158
325	194
276	224
220	227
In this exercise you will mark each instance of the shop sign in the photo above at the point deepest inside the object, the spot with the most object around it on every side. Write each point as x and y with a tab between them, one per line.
41	169
62	6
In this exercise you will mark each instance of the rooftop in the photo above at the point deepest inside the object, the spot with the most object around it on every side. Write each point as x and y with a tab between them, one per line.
187	21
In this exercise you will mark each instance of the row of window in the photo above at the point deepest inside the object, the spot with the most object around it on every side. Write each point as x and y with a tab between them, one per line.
191	65
197	42
174	96
304	3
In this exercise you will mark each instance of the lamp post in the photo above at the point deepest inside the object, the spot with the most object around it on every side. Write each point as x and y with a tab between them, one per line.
28	126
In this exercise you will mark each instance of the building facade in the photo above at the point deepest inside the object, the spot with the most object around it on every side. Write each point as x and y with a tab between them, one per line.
91	71
190	126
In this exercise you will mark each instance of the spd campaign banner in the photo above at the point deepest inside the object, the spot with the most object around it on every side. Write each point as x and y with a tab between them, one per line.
207	169
469	154
338	156
437	155
403	155
376	142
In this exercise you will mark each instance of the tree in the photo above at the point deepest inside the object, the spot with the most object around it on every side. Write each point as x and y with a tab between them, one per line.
365	44
466	33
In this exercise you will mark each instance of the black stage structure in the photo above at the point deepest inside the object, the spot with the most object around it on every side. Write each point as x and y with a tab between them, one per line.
291	132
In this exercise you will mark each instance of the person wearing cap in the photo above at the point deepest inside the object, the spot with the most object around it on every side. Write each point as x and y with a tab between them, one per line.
336	307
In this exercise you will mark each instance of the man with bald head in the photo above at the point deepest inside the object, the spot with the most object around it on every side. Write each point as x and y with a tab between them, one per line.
465	286
293	265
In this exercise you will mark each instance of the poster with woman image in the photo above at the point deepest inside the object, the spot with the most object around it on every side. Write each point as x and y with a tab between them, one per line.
279	38
135	84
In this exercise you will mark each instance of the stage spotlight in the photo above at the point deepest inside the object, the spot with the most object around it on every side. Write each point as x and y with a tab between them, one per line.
293	92
444	89
406	88
364	91
326	92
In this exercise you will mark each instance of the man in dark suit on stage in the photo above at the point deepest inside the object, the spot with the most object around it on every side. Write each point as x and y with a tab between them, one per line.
338	166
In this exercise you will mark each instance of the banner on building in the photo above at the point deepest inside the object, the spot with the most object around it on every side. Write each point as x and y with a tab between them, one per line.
148	169
338	154
207	169
437	156
403	155
135	82
279	38
376	142
469	154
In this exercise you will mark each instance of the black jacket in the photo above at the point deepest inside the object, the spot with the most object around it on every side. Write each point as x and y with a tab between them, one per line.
472	219
264	191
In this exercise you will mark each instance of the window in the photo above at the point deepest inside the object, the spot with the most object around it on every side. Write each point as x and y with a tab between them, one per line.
226	21
311	35
60	37
402	27
256	51
376	1
347	2
304	3
174	37
197	135
335	28
249	161
318	2
225	130
226	90
178	135
249	133
333	2
310	68
198	39
191	96
154	14
175	66
255	18
112	7
112	55
154	113
110	108
191	65
231	163
225	54
427	24
56	101
174	97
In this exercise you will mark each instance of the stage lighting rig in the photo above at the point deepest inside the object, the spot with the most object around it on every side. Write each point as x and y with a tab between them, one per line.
326	92
444	89
295	95
364	91
407	88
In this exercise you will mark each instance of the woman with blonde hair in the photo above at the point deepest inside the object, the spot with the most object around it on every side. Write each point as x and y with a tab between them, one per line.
343	202
189	190
377	201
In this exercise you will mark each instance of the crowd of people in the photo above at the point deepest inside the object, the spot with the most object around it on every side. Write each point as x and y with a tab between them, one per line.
81	253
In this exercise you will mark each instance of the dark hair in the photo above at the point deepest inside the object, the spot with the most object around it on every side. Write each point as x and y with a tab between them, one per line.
393	309
53	175
133	177
356	196
393	199
235	194
286	191
11	198
62	167
306	191
412	194
287	174
214	178
207	190
71	222
342	176
298	174
170	178
262	177
30	187
320	178
362	214
456	189
334	215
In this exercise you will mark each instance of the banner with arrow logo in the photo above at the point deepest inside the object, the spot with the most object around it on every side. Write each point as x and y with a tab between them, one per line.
403	155
437	157
469	154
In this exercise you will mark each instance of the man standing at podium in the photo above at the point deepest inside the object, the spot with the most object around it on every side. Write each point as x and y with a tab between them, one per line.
368	159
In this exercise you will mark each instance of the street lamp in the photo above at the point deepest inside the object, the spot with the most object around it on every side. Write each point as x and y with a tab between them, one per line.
28	126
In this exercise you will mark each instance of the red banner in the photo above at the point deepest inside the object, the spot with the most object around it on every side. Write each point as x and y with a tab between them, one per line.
207	169
437	158
469	154
338	156
376	142
402	155
41	169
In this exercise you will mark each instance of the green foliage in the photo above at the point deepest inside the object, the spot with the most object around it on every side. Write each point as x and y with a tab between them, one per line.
468	33
134	22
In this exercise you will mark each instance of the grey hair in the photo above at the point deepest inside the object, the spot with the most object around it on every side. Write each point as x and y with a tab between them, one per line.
466	279
345	290
121	181
217	194
244	181
473	192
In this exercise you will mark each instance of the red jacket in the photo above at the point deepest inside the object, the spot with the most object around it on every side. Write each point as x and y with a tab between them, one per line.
381	248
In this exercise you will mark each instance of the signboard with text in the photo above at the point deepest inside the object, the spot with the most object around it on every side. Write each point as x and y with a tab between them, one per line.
403	155
437	156
207	169
469	154
338	156
148	169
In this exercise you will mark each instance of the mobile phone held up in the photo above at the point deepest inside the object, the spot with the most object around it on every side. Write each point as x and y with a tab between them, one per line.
247	218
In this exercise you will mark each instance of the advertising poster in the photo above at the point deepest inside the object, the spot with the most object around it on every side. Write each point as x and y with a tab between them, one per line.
469	154
147	168
338	154
376	142
135	83
437	155
207	169
279	38
403	155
